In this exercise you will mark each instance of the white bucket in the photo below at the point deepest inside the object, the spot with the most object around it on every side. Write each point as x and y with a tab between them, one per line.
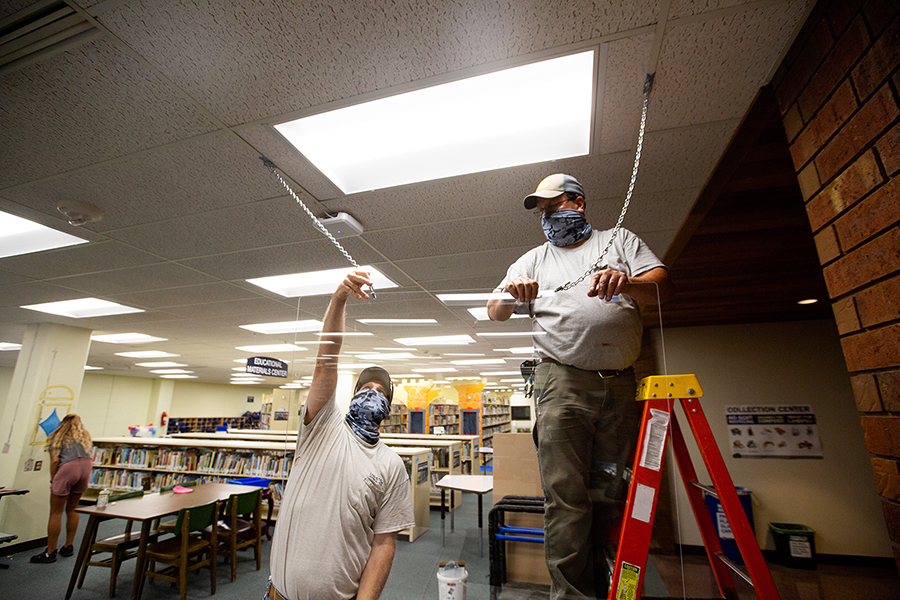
452	583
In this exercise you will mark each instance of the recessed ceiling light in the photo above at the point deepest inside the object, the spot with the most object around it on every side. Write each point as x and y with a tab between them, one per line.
178	376
285	327
161	364
490	121
243	382
460	354
316	283
146	354
127	338
480	298
7	346
808	301
271	348
20	236
436	370
398	321
480	361
393	349
83	308
90	368
521	350
500	373
170	371
480	313
510	381
440	340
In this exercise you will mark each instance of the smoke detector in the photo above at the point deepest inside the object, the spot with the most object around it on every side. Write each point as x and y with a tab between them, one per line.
342	225
78	213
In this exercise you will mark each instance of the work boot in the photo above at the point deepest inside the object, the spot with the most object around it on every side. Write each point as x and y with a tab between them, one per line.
43	557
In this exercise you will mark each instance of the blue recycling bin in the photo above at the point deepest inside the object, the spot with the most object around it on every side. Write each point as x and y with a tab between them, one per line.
720	522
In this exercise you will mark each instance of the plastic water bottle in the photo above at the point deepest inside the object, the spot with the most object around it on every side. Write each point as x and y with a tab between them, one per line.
103	498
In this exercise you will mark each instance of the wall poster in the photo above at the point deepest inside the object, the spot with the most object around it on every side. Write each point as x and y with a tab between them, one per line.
773	431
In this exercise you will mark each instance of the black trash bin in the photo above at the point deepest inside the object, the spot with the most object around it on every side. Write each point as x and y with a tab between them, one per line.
795	545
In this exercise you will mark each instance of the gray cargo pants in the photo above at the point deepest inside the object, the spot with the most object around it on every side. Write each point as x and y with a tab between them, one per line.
585	431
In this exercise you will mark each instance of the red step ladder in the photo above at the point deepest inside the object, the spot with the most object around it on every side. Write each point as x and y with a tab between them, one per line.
659	394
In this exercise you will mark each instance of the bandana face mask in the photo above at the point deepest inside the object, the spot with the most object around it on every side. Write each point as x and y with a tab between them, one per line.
367	410
565	227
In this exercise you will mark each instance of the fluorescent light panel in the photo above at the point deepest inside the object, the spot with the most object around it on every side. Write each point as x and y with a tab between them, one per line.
271	348
20	236
480	361
146	354
316	283
7	346
161	364
440	340
127	338
513	334
512	117
397	321
480	314
285	327
83	308
171	372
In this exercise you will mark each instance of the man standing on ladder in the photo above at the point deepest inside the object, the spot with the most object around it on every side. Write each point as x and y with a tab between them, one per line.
587	335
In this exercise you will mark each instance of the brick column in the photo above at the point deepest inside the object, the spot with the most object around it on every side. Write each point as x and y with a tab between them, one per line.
838	94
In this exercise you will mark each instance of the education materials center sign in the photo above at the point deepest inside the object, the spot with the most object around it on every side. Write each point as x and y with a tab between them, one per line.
269	367
773	430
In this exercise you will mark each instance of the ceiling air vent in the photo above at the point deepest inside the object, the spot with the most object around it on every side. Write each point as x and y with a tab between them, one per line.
41	29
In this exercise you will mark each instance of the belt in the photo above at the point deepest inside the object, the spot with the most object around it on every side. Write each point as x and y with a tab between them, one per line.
603	373
273	594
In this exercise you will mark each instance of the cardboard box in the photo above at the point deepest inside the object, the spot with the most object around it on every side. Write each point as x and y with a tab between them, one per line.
516	474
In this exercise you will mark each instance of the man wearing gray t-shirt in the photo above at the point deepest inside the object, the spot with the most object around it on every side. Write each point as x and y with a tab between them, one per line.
348	494
586	339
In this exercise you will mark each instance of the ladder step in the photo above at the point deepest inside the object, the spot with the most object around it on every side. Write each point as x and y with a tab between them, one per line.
735	567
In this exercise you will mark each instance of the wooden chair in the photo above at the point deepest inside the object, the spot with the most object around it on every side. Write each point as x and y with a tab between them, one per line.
190	549
169	526
241	528
120	548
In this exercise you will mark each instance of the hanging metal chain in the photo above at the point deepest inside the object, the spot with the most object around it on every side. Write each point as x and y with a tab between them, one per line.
271	166
598	264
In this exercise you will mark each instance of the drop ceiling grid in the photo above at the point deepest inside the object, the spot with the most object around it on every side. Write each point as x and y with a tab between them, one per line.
199	175
298	52
134	279
86	105
82	259
710	69
314	255
185	295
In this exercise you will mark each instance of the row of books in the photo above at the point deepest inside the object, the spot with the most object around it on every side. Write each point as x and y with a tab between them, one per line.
257	464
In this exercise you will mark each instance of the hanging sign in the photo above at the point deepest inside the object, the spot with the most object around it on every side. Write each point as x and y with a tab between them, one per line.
774	430
270	367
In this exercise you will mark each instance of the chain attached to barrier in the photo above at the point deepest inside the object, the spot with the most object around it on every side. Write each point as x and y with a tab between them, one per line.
598	264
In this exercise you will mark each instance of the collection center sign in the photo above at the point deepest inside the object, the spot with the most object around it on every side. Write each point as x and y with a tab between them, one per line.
269	367
780	431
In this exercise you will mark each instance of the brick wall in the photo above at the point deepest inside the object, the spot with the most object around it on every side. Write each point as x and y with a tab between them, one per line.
838	94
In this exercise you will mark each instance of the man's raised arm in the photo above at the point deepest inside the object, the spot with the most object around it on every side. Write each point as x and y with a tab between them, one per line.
324	380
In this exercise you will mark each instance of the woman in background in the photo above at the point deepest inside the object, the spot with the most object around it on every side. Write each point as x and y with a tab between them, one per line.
70	468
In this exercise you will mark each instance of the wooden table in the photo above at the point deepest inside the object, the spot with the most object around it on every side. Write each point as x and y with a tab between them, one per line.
151	506
477	484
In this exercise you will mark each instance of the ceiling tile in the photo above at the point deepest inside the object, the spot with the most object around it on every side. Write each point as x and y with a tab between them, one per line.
623	92
135	279
314	255
78	114
185	296
199	175
262	60
710	70
80	259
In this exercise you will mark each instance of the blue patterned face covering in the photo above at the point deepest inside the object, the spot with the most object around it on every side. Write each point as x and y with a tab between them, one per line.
367	409
565	227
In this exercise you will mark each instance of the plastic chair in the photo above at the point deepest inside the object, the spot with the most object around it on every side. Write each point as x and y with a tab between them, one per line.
120	547
236	533
185	552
